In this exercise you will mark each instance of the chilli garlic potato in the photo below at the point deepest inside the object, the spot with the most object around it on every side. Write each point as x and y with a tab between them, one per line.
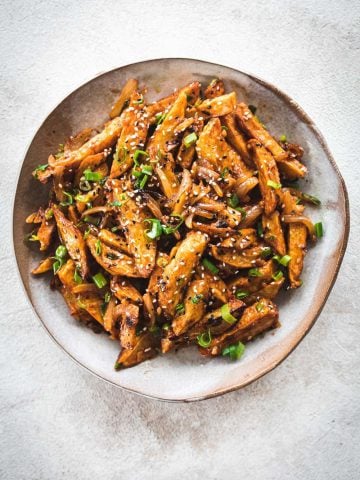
175	224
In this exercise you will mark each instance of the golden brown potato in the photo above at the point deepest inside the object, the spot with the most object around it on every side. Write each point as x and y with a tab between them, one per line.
193	307
215	88
273	232
256	319
269	179
236	139
218	106
128	89
179	270
73	240
251	125
44	266
145	348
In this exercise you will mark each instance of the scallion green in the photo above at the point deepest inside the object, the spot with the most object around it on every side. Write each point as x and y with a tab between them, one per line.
210	266
204	340
99	280
226	314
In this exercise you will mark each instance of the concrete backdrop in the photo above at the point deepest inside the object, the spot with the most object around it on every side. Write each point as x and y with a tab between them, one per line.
299	422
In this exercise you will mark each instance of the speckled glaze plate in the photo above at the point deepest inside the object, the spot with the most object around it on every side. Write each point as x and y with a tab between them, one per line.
185	375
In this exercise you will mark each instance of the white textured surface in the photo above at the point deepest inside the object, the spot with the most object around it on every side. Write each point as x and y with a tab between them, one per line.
300	421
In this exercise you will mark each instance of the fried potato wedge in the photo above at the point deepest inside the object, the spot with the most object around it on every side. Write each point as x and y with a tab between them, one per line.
215	89
74	142
179	271
127	91
252	126
146	347
97	144
236	138
248	258
297	235
269	178
218	106
256	319
194	306
73	241
273	232
129	318
44	266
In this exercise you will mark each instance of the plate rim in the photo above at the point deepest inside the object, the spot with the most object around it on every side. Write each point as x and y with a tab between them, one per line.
340	253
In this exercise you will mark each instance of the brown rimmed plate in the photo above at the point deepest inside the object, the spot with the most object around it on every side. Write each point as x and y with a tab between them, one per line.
186	376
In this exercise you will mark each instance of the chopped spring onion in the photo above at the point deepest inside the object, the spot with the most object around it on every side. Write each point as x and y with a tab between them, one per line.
190	139
172	229
197	298
311	199
277	275
159	118
282	260
49	214
180	308
266	252
259	228
252	109
60	252
107	297
223	127
166	326
115	204
69	200
233	201
210	266
156	228
274	185
259	307
41	168
77	277
242	211
204	340
319	231
137	155
283	138
255	272
87	233
92	176
84	185
226	314
99	280
224	173
240	294
98	247
235	351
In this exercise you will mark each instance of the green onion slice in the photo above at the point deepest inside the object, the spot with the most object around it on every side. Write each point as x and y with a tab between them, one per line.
283	138
137	154
274	185
259	307
156	228
235	351
91	176
282	260
255	272
277	275
226	314
99	280
77	277
240	294
190	139
210	266
60	252
197	298
233	201
180	308
69	200
319	231
224	173
266	252
98	248
169	229
204	340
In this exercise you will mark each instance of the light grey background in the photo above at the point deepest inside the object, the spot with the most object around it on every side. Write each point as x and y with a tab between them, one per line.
299	422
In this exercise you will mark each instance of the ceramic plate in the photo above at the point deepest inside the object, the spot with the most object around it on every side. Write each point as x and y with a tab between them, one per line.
185	375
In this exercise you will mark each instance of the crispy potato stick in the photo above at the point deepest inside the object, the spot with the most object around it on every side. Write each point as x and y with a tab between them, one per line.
236	139
251	125
124	290
113	240
132	138
178	272
113	261
44	266
128	89
251	257
194	306
269	179
131	217
256	319
145	348
273	233
242	239
97	144
129	316
215	89
75	142
73	240
218	106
